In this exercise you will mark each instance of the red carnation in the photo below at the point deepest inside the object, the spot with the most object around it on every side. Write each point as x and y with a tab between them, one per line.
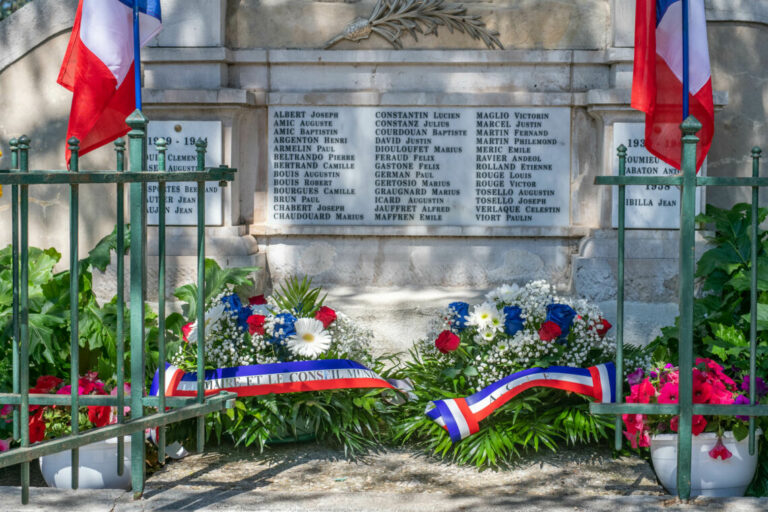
36	427
99	415
258	300
549	331
186	330
447	342
325	315
48	383
256	324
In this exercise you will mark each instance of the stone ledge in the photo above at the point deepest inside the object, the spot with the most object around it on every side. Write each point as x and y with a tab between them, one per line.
601	97
421	231
373	98
224	96
421	57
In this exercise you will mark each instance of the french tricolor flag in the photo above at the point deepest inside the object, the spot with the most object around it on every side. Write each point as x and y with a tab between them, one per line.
99	67
660	71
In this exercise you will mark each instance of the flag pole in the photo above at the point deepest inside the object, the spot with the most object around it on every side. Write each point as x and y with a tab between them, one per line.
685	59
136	54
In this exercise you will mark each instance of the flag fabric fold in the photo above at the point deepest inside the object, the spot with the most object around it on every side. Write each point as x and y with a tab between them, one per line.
263	379
98	68
657	85
461	416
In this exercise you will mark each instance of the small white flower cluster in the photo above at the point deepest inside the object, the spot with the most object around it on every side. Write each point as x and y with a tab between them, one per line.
497	354
350	338
227	344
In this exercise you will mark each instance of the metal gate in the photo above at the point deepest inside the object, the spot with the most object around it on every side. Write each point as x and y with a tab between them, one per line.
169	410
687	181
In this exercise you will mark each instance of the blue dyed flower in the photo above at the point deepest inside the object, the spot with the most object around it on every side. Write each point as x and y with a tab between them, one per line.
513	322
563	316
283	327
233	305
460	314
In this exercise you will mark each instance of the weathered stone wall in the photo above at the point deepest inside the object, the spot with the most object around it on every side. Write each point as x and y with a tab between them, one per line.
523	24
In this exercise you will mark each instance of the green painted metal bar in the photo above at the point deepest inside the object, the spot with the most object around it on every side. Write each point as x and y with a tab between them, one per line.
136	136
701	181
622	153
14	143
628	408
161	149
120	330
638	180
651	409
88	177
689	128
224	400
74	309
24	144
731	181
200	147
753	297
110	400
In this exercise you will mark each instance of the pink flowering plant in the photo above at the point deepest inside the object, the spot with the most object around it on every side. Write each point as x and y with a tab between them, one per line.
711	385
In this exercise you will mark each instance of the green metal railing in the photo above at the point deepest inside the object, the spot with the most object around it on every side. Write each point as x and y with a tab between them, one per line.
685	408
20	178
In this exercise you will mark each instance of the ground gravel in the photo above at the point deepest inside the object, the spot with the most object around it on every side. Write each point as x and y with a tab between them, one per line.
586	471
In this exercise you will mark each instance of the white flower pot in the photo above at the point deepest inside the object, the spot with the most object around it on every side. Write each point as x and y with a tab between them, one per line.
709	477
97	469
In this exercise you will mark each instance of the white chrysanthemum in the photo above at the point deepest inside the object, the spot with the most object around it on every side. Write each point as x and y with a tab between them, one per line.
486	334
484	315
309	340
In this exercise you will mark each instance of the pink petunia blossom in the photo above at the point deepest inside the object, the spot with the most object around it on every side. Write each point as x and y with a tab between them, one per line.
5	445
720	450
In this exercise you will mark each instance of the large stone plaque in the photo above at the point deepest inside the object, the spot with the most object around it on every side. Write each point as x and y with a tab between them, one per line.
647	206
181	197
395	166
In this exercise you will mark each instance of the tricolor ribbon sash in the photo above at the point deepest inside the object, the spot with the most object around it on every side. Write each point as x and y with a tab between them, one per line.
461	416
263	379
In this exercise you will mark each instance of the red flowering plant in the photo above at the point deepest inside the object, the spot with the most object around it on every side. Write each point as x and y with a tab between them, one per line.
711	385
51	421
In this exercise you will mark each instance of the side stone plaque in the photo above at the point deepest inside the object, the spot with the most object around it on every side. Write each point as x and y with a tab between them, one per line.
647	206
395	166
181	198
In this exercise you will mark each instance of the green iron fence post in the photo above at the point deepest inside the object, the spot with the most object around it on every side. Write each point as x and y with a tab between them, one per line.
161	149
200	148
687	264
74	338
753	297
14	143
622	153
136	136
120	329
24	315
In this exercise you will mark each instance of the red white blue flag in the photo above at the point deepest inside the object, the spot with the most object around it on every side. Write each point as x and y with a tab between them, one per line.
263	379
660	72
98	68
461	416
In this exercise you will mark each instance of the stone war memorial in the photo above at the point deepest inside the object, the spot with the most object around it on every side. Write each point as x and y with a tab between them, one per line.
386	174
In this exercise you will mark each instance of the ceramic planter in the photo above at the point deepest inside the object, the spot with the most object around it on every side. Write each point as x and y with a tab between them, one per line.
709	477
97	470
